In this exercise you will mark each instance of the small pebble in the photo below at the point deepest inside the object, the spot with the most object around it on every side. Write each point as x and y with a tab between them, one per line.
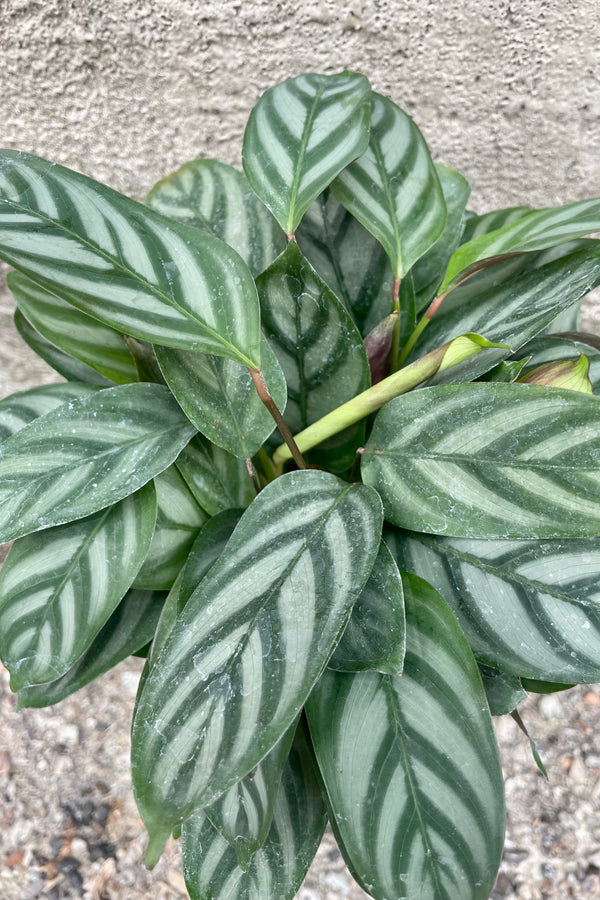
550	706
68	735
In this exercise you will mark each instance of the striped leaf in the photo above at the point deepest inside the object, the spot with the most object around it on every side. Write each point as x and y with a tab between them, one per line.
348	259
75	333
539	229
300	135
86	455
214	196
428	271
219	397
178	521
476	225
530	608
243	814
318	347
237	666
59	587
514	311
124	264
393	189
206	549
411	765
130	627
217	479
375	636
489	461
279	867
61	362
18	410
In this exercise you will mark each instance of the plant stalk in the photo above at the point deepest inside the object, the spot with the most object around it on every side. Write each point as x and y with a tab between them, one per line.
450	354
263	392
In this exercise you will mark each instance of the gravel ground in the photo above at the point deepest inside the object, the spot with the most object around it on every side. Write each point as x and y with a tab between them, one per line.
69	829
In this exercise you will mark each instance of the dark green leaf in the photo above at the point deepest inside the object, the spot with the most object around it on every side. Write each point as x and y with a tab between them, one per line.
250	643
375	636
300	135
206	550
217	479
411	764
504	692
318	346
86	455
489	461
348	259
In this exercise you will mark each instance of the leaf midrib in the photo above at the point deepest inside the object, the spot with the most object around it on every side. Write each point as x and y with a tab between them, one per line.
301	156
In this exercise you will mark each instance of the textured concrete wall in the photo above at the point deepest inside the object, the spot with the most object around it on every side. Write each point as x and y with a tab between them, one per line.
508	91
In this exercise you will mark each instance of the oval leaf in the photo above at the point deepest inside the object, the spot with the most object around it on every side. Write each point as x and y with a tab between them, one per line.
75	333
219	397
411	765
300	135
279	867
530	608
228	684
58	588
86	455
217	479
393	189
211	195
124	264
489	461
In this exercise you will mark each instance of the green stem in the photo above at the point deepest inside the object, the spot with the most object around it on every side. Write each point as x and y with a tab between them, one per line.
449	354
263	392
394	352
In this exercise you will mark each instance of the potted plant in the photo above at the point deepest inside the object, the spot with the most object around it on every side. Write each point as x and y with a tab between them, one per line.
327	454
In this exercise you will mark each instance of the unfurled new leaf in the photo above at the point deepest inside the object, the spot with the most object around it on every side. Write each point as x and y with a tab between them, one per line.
539	229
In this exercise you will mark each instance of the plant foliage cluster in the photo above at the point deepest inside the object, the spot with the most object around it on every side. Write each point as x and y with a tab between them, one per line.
327	454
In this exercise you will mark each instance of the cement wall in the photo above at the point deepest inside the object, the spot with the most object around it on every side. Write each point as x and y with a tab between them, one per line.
508	91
